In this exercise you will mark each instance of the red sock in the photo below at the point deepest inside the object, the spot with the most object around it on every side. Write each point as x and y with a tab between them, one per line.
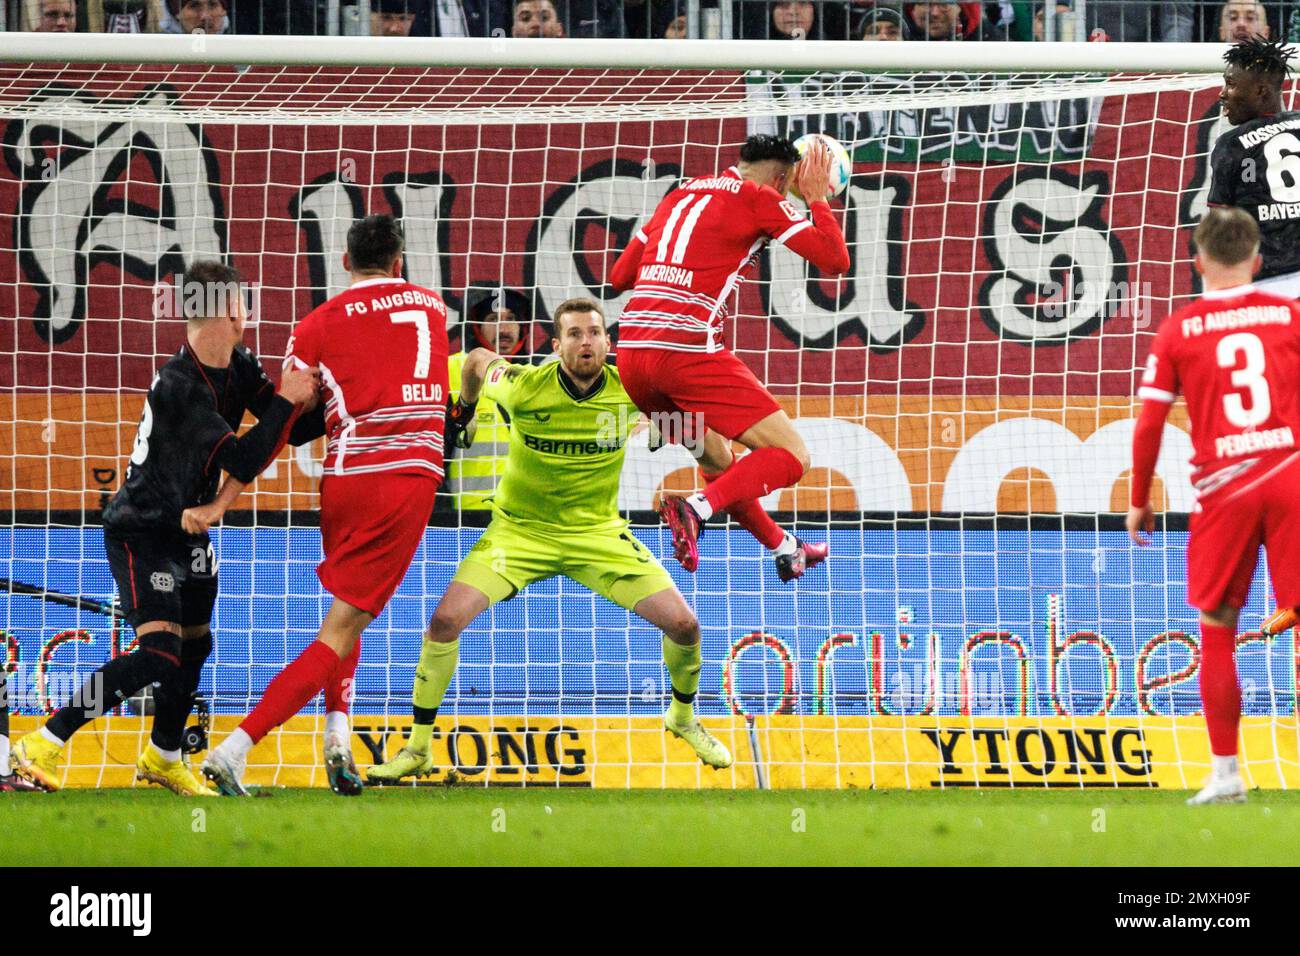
758	473
749	514
291	690
341	685
1219	690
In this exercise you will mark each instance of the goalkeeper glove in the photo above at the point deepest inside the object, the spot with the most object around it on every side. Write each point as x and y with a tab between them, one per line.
459	418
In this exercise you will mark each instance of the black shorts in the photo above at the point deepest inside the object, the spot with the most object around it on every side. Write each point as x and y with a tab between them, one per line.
170	579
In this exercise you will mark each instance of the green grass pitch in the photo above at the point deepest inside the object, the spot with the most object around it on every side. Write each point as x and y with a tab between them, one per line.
440	826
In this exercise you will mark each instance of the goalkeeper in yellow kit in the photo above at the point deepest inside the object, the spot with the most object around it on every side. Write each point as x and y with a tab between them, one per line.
555	512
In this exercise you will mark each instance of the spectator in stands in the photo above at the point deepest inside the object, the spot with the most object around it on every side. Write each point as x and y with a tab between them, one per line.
676	29
126	16
795	20
536	18
391	18
949	20
1139	21
52	16
792	19
883	23
1242	19
1040	23
195	16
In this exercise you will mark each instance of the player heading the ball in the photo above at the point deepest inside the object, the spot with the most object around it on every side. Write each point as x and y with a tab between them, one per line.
1235	355
684	268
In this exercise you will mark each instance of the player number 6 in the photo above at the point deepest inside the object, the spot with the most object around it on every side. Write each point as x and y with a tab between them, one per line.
1283	155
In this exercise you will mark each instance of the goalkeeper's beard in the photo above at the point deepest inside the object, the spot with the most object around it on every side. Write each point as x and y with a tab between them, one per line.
584	368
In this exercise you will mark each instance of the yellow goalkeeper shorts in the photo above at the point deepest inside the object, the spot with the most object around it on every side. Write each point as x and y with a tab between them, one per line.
512	555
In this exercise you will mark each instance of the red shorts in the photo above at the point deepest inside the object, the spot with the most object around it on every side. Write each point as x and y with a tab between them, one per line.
717	386
1262	507
371	526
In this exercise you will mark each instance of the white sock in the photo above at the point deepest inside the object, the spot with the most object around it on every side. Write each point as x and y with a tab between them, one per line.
239	743
337	724
5	769
45	732
1224	766
701	506
787	546
171	756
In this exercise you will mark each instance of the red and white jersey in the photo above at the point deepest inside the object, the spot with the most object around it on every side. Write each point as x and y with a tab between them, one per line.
1235	355
381	347
687	262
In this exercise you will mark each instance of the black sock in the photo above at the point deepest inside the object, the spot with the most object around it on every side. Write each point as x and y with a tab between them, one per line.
424	715
173	701
4	703
156	659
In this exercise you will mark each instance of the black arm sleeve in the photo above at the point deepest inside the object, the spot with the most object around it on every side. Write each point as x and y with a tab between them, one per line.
255	384
1225	167
308	427
245	458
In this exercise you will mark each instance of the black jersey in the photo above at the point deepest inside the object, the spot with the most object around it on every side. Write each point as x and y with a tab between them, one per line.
187	438
1256	167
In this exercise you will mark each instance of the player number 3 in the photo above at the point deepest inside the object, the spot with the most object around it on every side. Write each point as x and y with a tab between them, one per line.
1250	377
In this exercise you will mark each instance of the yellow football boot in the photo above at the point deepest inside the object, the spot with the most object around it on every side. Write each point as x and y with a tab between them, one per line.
38	760
175	775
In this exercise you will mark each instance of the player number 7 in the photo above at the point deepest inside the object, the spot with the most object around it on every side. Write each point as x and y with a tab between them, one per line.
424	345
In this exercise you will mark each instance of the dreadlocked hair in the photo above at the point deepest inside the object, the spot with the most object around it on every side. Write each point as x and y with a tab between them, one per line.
1268	58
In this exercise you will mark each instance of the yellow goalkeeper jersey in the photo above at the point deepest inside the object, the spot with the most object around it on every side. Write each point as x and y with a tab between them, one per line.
566	449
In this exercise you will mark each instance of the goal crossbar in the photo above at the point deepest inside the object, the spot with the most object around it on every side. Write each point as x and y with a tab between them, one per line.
504	53
469	82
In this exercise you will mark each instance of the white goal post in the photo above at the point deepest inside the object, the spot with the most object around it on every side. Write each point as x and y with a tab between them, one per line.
1019	220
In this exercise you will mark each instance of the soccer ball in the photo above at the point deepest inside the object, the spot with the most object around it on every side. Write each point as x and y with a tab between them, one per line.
841	164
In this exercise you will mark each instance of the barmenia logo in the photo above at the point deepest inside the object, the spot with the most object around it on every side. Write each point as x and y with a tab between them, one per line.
76	909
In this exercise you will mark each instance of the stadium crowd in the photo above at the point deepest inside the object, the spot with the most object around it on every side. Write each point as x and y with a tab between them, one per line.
941	20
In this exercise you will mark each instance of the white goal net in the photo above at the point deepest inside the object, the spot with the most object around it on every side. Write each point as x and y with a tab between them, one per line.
1016	233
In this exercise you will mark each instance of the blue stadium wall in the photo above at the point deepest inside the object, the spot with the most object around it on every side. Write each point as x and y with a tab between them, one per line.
946	622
